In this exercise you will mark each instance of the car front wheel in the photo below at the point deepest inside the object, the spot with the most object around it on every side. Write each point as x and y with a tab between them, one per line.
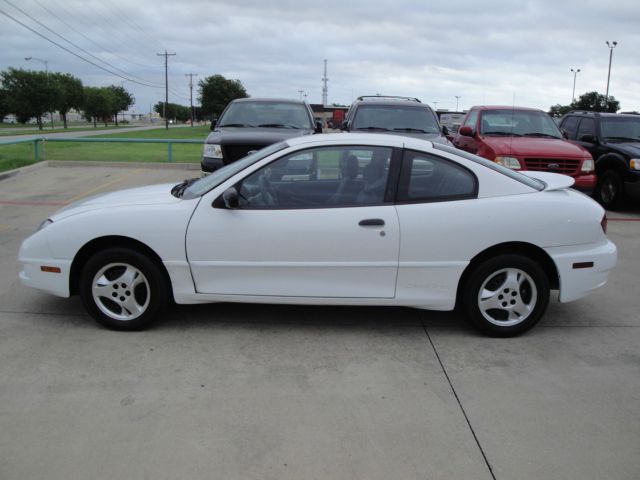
123	289
506	295
609	191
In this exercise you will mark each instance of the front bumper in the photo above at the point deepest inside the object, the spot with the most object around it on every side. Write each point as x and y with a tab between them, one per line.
211	164
576	283
54	283
585	183
632	184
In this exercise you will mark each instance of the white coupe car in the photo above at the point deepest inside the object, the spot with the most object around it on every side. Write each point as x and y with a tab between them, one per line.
343	219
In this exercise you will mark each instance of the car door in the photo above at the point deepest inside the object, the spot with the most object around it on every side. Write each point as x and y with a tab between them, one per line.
469	144
586	136
324	233
433	196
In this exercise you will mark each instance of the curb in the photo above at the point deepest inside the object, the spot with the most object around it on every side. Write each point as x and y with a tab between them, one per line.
25	169
150	165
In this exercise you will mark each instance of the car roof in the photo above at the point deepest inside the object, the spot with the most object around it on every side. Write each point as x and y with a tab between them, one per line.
505	107
279	100
601	114
364	139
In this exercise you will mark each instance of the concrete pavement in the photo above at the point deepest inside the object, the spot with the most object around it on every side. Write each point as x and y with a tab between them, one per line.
282	392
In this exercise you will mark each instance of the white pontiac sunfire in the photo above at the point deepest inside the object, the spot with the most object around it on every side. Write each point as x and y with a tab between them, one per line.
342	219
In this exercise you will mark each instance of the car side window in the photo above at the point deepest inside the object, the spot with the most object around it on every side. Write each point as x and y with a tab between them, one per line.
471	119
587	127
570	125
319	178
427	178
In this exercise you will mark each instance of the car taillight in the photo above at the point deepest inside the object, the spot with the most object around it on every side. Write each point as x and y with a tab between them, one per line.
603	224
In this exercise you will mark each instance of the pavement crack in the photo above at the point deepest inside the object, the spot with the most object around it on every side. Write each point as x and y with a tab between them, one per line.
455	394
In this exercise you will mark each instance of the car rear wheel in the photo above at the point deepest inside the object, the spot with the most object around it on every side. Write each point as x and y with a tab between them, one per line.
610	191
123	289
506	295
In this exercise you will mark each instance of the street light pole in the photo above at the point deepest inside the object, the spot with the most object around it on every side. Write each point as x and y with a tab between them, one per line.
611	46
46	71
573	94
457	98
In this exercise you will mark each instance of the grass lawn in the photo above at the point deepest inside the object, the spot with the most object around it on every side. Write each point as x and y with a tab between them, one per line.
15	156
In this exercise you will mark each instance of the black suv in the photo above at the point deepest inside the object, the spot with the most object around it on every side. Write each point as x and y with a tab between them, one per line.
613	139
397	115
248	124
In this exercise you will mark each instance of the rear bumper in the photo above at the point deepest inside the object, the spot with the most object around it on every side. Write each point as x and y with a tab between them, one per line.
576	283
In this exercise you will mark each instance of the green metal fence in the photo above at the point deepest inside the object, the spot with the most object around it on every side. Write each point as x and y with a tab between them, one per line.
16	153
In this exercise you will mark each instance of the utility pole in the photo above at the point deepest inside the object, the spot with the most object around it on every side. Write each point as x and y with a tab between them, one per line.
191	75
325	88
457	99
166	86
611	46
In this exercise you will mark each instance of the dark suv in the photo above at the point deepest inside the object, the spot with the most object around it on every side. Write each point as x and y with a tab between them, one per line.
614	142
397	115
248	124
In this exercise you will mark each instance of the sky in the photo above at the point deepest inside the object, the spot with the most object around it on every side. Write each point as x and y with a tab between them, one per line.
491	52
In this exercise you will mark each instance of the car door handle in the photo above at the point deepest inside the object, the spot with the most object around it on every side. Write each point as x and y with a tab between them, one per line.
371	222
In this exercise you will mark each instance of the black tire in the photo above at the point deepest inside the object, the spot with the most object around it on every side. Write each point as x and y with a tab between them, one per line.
519	289
610	190
130	289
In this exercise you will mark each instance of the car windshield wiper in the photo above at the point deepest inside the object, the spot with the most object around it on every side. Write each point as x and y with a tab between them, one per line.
235	125
373	128
411	129
277	125
629	139
179	189
539	134
506	134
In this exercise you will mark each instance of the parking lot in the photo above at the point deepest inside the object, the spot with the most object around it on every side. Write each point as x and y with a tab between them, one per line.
288	392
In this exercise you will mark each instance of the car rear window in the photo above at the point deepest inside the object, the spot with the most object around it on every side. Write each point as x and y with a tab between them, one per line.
528	181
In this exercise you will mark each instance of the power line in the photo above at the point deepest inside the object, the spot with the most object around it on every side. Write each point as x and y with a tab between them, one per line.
129	21
101	47
74	53
76	46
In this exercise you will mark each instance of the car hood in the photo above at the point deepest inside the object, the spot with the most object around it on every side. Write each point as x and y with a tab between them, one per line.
152	194
535	147
630	148
258	136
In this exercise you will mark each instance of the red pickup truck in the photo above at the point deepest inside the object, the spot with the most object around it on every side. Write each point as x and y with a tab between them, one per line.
524	139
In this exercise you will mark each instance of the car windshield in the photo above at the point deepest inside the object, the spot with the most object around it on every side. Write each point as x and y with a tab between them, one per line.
518	123
395	118
624	129
266	114
205	184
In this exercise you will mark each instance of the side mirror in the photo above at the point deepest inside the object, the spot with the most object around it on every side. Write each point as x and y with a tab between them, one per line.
565	135
588	138
214	122
344	126
466	131
228	199
318	126
445	130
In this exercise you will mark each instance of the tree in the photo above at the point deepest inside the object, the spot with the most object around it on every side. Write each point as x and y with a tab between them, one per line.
69	93
98	104
559	110
5	109
121	100
216	91
596	102
590	101
173	111
29	93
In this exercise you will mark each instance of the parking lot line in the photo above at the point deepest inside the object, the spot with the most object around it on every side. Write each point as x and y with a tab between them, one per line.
104	185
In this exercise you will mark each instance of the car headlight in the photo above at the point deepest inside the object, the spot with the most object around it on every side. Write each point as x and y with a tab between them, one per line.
634	164
587	165
48	221
212	150
509	162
